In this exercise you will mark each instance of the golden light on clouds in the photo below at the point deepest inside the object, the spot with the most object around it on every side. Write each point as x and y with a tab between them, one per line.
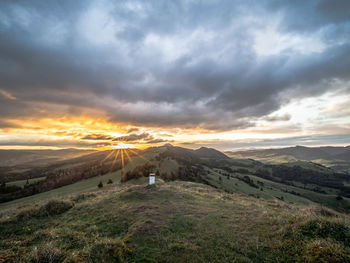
123	146
305	117
7	95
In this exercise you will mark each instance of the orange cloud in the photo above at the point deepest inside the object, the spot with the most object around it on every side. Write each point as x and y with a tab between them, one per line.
7	95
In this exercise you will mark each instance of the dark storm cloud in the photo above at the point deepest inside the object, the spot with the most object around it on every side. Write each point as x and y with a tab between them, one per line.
312	15
167	63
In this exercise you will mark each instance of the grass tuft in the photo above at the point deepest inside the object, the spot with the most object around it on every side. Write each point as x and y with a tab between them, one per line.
327	229
46	253
54	207
109	251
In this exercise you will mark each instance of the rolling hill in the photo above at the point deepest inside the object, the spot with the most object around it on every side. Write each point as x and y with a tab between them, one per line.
30	158
295	182
205	207
335	157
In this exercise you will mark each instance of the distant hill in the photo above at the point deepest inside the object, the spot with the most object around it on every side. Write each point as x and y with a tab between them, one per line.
336	157
38	157
205	152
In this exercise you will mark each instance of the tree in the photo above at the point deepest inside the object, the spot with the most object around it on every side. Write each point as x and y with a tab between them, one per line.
110	181
100	185
339	197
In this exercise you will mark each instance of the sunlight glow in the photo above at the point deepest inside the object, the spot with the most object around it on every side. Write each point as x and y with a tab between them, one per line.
123	146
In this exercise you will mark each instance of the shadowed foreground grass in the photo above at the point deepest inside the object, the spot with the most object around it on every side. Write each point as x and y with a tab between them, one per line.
172	222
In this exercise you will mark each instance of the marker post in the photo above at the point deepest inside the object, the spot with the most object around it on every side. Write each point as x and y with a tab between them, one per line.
152	178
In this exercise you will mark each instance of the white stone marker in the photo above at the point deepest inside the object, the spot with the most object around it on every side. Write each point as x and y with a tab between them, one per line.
152	178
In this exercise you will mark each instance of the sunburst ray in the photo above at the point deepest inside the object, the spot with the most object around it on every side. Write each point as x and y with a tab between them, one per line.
139	155
115	158
108	155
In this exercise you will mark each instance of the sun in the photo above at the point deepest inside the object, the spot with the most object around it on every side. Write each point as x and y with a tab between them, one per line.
122	146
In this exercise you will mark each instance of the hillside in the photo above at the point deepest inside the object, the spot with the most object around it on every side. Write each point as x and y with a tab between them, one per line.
335	157
171	222
294	183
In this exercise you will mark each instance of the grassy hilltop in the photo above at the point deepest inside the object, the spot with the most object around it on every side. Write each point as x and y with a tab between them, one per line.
171	222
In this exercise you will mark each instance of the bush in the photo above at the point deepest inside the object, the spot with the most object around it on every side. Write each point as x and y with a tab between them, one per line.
55	207
110	181
339	197
100	184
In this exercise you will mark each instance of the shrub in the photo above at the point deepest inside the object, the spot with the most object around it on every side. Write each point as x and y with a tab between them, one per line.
54	207
100	184
339	197
110	181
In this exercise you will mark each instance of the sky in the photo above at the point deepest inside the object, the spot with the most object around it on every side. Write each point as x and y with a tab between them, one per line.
230	74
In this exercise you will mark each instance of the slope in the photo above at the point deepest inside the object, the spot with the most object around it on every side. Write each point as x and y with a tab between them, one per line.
172	222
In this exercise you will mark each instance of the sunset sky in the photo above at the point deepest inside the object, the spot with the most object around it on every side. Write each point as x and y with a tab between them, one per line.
224	74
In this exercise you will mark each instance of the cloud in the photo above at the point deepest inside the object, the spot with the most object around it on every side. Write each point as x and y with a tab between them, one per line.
194	66
232	145
97	137
154	141
6	124
132	130
284	117
7	95
134	137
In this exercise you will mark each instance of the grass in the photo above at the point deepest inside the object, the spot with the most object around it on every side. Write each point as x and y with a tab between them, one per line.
172	222
273	190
